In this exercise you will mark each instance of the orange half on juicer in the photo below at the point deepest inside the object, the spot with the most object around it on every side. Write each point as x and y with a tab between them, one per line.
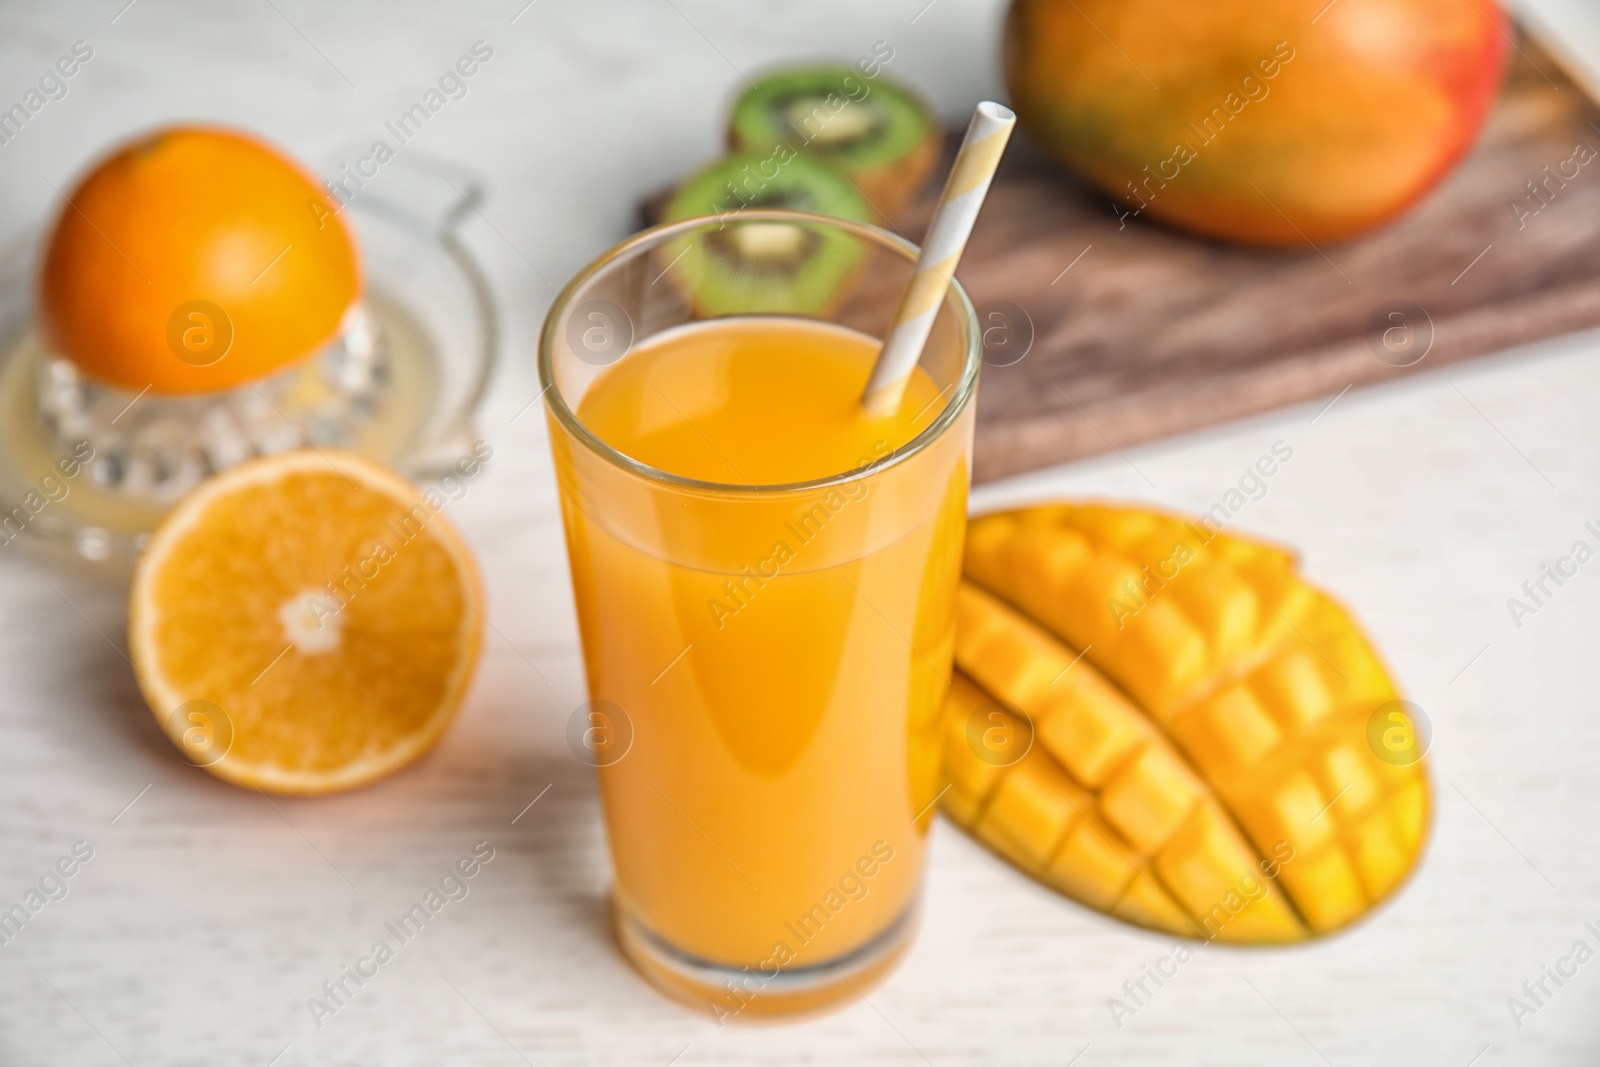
199	299
194	260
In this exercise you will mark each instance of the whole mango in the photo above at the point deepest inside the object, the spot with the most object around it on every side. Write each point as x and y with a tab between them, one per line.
1264	122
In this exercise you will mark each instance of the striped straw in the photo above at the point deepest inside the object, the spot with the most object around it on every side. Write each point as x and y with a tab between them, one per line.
947	237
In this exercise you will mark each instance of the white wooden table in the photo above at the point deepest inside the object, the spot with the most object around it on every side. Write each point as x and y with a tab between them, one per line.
208	916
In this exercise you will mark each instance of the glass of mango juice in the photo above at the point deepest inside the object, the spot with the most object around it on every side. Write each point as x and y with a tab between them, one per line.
765	582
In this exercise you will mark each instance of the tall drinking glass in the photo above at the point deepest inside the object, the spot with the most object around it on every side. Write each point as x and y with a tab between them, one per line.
766	663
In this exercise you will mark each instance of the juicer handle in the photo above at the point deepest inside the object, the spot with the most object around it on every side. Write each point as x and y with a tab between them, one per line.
426	193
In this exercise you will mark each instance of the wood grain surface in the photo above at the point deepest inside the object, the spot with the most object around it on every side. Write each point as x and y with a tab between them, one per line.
1139	331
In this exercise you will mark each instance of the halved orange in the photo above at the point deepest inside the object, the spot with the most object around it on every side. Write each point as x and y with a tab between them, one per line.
305	622
193	259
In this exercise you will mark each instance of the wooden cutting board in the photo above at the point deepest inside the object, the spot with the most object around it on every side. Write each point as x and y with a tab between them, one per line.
1142	332
1136	332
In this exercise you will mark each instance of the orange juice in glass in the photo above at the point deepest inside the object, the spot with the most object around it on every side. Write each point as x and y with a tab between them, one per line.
765	581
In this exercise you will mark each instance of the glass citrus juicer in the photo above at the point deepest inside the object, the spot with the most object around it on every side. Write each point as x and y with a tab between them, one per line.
198	300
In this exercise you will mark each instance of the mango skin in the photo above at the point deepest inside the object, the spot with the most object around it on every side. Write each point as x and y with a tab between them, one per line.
1247	121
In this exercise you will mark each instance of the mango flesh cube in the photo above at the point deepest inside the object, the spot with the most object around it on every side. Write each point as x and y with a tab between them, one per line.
967	772
1200	761
1218	880
1291	810
1091	739
1042	555
1159	659
988	545
1288	598
1410	807
1349	775
1091	865
1085	612
1362	673
1149	799
1068	707
1113	526
1226	611
1240	551
1380	857
1325	888
1244	920
1007	660
1293	687
961	806
1030	811
1229	733
1147	904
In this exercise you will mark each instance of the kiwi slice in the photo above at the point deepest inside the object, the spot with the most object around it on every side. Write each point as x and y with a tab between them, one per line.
743	267
880	134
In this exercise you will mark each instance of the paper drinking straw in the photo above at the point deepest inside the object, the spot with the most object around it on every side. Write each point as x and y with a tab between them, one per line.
947	237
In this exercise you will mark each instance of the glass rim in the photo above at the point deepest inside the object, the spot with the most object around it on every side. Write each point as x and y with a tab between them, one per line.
964	386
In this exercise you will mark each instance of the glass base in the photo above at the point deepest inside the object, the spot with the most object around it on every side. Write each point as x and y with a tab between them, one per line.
730	993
